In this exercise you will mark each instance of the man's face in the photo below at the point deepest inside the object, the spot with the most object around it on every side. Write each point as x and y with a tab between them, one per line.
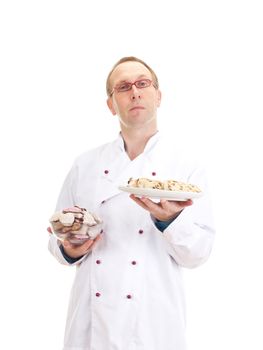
136	107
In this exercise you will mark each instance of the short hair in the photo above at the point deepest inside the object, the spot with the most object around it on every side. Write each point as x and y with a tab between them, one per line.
130	59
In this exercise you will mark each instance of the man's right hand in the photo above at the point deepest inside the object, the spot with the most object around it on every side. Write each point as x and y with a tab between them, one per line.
77	251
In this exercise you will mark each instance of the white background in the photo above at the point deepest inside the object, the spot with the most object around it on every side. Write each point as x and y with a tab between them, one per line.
55	56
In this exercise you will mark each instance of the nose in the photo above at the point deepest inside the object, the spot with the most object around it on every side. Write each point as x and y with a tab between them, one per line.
136	93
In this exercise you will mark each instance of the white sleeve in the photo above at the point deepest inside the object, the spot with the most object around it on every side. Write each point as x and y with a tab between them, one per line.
190	236
66	199
54	248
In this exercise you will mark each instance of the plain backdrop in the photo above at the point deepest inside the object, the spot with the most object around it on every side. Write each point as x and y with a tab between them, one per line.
55	56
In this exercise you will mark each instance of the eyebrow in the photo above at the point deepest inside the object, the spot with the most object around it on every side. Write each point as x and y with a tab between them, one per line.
139	77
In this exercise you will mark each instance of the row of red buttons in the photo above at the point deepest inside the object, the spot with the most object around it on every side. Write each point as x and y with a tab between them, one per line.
132	262
107	172
128	296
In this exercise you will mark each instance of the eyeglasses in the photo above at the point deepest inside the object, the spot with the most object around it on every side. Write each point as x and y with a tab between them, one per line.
126	86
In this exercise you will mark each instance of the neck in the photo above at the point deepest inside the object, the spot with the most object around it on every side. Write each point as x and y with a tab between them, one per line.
135	141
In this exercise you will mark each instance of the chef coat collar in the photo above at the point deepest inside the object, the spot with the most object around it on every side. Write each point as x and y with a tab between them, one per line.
150	144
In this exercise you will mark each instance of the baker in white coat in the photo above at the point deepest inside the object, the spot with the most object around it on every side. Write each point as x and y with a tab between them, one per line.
128	292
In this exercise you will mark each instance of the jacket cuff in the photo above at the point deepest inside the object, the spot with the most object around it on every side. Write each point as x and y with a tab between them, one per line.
162	225
68	258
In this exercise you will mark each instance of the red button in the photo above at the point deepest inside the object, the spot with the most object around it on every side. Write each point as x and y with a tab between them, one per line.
153	173
97	294
128	296
106	171
134	262
140	232
98	261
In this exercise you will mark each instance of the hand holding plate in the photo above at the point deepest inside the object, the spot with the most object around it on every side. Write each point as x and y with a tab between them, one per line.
164	210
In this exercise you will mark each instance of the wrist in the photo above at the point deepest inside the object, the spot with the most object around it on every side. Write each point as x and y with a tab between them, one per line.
68	257
168	219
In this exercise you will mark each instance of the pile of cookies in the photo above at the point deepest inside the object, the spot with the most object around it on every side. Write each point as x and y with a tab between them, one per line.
75	222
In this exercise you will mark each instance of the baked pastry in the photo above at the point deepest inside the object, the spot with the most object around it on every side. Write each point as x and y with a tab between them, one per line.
168	185
143	182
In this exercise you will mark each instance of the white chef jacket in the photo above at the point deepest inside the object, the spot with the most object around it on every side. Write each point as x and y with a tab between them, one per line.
128	292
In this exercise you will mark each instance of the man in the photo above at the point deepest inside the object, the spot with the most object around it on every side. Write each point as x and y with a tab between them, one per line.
128	293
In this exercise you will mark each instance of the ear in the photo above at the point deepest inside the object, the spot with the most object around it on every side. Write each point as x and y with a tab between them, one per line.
110	105
159	98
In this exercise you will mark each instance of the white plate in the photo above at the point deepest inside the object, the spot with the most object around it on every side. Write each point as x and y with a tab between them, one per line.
153	193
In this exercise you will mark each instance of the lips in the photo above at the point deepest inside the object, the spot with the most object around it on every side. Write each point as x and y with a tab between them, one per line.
136	107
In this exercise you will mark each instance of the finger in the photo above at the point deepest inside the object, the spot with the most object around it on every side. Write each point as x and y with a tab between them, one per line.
84	246
66	244
166	204
138	201
184	204
89	243
150	205
49	230
97	238
155	209
170	206
141	200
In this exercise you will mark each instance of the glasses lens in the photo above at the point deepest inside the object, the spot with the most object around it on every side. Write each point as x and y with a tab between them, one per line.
143	83
140	84
123	87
